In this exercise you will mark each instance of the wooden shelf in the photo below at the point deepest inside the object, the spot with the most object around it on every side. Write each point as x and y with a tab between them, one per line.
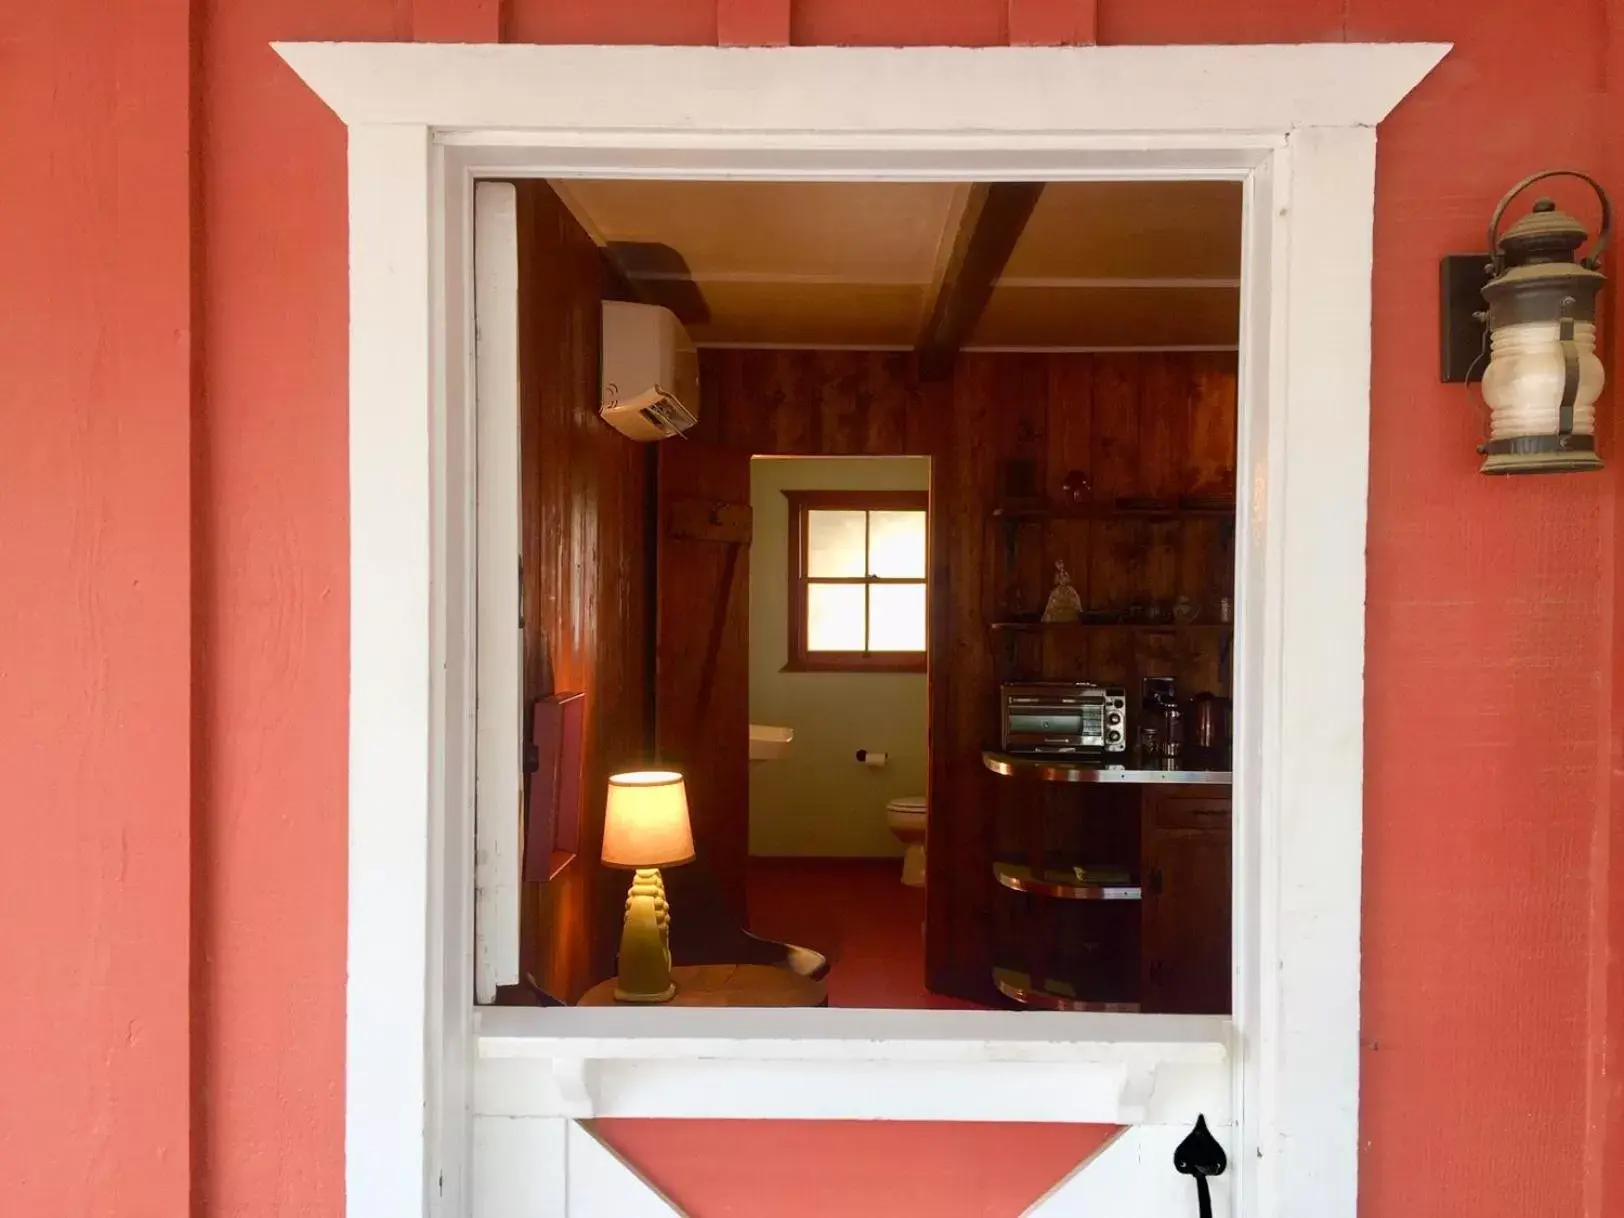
1021	626
1053	996
1122	510
1061	883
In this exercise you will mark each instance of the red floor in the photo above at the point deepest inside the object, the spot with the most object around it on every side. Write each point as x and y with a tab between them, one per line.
858	913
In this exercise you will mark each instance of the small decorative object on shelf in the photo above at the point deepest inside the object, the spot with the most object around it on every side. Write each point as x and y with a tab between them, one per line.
1075	486
1185	610
1064	604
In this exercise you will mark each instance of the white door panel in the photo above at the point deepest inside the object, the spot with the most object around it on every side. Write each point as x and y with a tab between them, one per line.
551	1167
1132	1176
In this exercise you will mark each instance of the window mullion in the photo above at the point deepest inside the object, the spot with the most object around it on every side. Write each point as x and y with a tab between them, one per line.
868	575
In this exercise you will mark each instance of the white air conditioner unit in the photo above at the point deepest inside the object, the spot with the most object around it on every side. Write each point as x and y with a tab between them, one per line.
650	372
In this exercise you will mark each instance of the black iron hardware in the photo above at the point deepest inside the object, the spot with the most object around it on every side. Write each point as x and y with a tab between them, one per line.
1199	1155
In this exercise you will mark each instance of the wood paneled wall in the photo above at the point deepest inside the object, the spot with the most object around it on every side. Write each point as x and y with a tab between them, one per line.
587	587
1137	424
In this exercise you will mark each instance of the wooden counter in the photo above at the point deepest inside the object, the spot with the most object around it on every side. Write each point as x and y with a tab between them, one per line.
1195	768
1119	884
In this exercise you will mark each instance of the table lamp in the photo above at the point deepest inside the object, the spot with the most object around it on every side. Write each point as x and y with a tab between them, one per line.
645	827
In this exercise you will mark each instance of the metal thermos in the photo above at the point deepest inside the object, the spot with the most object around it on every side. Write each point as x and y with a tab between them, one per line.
1211	721
1173	726
1206	721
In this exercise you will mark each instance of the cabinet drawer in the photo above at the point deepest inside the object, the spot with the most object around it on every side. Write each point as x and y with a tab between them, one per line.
1177	811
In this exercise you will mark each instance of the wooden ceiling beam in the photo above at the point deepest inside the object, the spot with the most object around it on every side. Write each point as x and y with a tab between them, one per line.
992	222
656	274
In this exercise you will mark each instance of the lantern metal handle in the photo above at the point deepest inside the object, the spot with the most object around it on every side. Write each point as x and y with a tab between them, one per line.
1593	261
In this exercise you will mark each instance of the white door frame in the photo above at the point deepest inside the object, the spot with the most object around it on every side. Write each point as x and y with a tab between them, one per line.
1296	124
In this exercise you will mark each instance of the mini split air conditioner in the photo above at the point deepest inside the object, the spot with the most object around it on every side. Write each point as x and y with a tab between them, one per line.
650	372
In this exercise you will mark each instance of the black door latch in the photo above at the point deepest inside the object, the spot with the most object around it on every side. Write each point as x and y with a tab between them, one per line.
1199	1155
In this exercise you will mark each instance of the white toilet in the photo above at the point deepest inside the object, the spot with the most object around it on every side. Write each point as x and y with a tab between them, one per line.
906	816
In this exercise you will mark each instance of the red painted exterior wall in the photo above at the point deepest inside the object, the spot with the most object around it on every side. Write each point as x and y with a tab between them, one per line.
172	632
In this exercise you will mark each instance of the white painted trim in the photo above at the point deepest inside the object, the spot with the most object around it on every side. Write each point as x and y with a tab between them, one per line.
1089	156
1312	807
453	544
1085	114
389	1080
592	90
853	1065
499	780
1265	309
566	1170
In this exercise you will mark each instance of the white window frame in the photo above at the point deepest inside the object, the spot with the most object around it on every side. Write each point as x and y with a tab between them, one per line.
1296	124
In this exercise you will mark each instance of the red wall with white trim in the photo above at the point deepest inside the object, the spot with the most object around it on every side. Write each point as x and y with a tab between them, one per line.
173	623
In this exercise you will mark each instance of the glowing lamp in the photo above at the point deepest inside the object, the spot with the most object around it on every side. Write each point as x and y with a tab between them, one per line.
645	827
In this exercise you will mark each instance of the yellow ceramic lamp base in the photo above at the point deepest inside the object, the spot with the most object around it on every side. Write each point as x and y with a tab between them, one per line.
645	942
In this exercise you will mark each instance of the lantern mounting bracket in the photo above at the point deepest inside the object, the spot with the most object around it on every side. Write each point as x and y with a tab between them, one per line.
1463	351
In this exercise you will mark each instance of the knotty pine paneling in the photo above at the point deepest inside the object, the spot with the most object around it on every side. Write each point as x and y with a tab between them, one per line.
586	546
1137	424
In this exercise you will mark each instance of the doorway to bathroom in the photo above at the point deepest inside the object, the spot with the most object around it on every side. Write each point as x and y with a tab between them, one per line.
839	697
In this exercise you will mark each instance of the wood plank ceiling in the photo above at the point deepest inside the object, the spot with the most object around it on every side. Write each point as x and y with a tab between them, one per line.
932	267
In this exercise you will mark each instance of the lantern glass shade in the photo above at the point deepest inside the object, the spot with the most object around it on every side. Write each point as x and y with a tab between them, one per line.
1523	382
645	820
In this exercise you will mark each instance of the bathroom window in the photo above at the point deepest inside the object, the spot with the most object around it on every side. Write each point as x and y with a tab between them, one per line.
857	566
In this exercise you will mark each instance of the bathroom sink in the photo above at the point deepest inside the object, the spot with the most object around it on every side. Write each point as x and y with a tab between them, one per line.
768	743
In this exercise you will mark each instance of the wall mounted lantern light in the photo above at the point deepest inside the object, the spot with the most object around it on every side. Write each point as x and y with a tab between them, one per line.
1542	376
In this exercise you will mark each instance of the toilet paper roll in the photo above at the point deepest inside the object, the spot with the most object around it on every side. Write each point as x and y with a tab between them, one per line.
871	758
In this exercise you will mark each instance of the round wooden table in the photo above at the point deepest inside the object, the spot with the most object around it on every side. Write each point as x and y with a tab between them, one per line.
725	985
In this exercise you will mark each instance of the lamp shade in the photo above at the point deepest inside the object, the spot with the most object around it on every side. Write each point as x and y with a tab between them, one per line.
645	823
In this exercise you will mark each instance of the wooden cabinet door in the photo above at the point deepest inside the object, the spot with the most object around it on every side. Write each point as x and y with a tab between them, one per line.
1186	929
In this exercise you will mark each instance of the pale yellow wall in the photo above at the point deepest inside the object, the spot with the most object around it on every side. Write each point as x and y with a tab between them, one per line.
819	801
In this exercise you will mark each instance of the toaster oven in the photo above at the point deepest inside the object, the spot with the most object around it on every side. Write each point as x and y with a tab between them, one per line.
1064	717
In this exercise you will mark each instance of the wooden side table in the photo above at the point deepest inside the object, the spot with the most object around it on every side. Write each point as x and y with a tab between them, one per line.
726	985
